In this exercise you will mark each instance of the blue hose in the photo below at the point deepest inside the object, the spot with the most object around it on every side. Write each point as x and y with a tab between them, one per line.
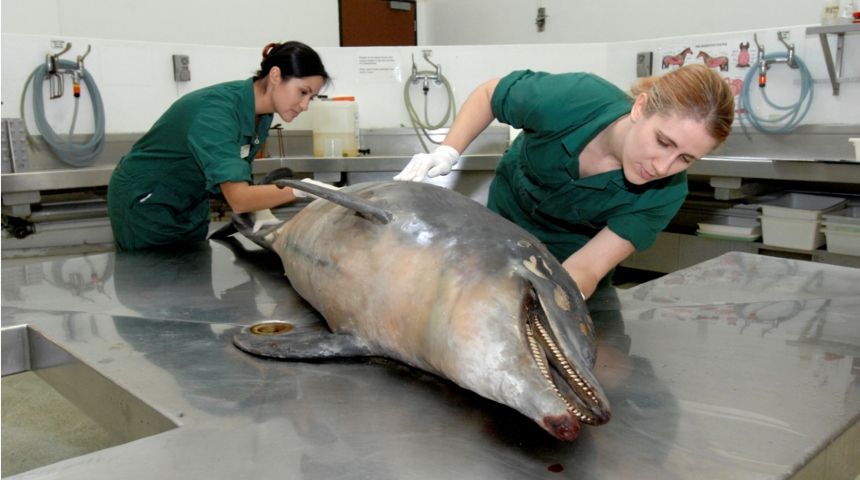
794	112
75	154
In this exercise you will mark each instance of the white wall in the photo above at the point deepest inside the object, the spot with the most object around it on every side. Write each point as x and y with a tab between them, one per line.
251	23
133	70
488	22
135	79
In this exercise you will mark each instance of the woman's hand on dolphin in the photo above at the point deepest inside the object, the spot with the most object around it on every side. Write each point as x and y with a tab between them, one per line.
302	194
429	165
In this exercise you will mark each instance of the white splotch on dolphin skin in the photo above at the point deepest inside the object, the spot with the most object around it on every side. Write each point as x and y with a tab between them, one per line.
447	286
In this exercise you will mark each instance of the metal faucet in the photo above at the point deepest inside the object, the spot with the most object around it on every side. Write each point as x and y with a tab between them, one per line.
56	82
77	73
55	79
425	79
764	64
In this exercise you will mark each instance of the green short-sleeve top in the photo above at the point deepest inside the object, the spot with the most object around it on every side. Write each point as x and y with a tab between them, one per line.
537	183
206	138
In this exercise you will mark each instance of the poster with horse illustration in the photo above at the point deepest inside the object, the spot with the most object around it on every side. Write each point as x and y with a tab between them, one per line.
730	58
724	56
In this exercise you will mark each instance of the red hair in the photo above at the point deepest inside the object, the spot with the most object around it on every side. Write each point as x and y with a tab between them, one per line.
692	91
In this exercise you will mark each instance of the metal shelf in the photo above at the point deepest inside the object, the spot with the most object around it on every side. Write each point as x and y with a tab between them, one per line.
834	69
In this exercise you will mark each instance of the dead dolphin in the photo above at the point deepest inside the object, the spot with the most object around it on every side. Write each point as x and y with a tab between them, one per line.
427	276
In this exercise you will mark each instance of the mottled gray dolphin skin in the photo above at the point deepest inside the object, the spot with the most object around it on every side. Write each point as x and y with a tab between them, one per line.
426	276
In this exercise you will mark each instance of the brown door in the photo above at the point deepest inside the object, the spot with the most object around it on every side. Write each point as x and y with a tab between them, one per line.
371	23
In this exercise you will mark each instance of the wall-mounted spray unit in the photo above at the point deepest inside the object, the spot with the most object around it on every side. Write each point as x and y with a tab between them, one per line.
77	73
788	116
425	77
75	154
765	63
56	82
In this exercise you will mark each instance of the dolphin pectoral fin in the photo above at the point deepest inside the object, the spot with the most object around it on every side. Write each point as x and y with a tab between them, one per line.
224	232
344	199
279	340
247	224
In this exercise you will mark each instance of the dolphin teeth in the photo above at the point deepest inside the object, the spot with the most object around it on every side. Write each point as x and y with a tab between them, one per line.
540	342
543	367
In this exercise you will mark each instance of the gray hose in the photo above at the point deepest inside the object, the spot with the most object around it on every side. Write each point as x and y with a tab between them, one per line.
75	154
426	124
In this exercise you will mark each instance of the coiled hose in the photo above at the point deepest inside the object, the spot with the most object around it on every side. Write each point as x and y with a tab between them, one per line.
794	112
75	154
426	124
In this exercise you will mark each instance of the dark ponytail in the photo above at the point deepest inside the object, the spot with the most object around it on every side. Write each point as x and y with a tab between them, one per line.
295	59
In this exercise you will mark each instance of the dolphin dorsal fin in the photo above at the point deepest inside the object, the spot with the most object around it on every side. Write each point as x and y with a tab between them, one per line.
344	199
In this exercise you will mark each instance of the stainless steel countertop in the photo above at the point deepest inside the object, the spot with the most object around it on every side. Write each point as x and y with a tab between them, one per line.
742	367
746	167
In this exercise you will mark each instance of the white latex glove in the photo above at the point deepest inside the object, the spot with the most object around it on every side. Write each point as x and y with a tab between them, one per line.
301	194
263	218
438	162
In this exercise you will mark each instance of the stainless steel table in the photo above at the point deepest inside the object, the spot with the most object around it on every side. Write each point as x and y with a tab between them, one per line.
742	367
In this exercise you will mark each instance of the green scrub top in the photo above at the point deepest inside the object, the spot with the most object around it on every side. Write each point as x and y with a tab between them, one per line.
537	183
159	192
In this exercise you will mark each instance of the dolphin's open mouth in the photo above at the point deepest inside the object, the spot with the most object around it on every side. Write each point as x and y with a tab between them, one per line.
564	376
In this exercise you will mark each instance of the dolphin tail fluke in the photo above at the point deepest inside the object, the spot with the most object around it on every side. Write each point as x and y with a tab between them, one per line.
344	199
279	340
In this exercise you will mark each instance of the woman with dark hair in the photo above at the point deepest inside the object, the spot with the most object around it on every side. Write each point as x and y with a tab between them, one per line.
204	144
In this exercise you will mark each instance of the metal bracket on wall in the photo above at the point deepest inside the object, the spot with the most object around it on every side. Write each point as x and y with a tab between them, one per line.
834	68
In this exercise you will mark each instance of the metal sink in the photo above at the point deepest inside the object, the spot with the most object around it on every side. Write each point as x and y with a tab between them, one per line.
109	414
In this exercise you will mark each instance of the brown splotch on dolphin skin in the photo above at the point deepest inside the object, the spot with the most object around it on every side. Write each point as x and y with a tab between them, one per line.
429	277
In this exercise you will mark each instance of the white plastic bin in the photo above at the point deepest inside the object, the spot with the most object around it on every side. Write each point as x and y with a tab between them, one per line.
738	228
842	227
846	216
856	142
842	241
794	220
798	233
801	206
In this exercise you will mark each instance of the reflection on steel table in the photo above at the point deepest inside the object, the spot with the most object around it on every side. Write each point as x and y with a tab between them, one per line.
741	367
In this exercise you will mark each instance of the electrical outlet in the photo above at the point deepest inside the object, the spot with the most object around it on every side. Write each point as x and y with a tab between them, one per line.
181	71
643	64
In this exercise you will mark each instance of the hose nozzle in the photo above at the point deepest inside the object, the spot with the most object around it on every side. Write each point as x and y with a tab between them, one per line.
762	64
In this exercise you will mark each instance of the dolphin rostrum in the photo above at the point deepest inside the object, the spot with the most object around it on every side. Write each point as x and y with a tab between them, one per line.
429	277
